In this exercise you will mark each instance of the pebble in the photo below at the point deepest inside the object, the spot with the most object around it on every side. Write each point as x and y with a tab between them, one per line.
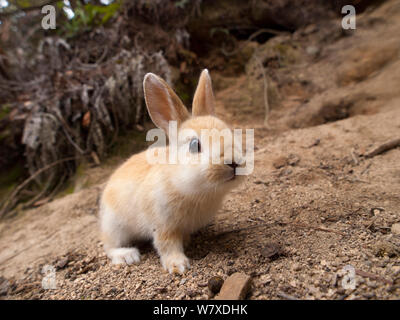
293	159
296	267
265	279
312	50
235	287
62	263
215	284
271	250
396	228
280	162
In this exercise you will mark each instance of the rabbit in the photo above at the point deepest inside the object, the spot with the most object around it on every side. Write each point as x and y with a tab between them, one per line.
166	203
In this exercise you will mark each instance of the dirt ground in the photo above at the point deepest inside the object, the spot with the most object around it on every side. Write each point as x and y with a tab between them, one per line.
316	202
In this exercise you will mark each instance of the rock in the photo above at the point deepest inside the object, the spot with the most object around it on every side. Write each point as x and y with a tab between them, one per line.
265	279
4	285
385	248
293	159
231	271
192	293
215	284
376	211
235	287
272	251
313	51
396	228
280	162
296	267
62	263
162	290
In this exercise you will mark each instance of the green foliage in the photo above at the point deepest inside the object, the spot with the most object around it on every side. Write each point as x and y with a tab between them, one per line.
181	3
23	3
5	109
215	30
88	16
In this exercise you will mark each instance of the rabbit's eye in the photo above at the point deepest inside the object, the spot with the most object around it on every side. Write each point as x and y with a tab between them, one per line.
194	146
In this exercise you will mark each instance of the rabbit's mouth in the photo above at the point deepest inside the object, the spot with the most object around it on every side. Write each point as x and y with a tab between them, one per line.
231	178
232	165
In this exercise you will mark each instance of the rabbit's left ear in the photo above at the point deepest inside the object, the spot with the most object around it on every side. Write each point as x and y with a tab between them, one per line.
203	101
162	102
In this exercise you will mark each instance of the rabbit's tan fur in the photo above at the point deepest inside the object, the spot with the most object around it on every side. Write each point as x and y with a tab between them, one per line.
165	202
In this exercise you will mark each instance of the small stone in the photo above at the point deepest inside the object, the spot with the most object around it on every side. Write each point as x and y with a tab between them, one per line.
376	211
62	263
296	267
4	285
192	293
396	228
293	159
265	279
313	51
280	162
215	284
271	251
235	287
369	295
162	290
385	248
396	270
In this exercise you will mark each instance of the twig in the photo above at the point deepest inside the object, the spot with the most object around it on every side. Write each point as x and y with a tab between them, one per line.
66	128
366	168
252	36
33	176
286	296
39	195
353	155
316	228
284	223
383	147
266	103
372	222
372	276
357	180
266	30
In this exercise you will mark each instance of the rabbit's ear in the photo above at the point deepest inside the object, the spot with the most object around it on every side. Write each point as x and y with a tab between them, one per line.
203	101
162	102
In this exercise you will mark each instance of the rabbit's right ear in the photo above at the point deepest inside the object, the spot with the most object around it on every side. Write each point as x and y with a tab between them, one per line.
162	102
203	101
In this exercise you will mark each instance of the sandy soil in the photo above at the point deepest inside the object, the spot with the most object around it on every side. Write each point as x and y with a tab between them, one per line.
314	204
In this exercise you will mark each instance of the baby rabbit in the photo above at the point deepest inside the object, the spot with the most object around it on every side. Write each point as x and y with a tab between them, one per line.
167	202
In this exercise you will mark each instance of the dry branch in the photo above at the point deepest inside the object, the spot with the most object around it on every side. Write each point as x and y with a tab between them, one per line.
373	276
383	148
67	101
265	82
27	181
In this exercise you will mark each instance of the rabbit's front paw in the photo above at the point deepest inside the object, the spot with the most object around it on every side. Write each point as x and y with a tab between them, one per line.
124	255
175	263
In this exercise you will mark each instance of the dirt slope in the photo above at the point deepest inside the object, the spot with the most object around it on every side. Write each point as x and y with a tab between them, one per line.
314	197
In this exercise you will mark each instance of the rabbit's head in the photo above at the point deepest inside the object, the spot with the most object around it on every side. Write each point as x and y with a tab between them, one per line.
207	153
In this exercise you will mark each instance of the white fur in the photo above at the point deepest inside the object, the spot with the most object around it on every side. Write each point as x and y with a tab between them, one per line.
165	203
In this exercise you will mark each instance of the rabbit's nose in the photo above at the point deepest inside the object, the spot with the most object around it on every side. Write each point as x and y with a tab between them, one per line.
233	165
